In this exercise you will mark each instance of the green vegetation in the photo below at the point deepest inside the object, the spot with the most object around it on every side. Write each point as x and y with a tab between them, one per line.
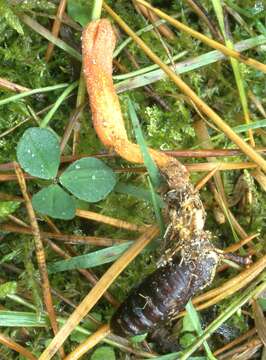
34	126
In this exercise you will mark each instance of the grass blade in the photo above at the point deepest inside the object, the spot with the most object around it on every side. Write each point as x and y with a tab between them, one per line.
48	35
235	66
22	319
194	318
187	65
148	161
58	102
31	92
157	208
154	178
90	260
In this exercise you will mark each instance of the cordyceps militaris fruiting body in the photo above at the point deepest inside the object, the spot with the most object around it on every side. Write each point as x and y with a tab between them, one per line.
167	290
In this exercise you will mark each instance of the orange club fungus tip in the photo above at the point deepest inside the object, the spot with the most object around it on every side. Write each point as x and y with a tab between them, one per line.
98	43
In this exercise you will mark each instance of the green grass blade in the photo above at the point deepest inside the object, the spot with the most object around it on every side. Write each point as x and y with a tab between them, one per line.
97	9
147	28
156	207
154	175
56	105
48	35
259	124
219	14
90	260
32	92
22	319
260	27
187	65
147	68
234	63
194	318
148	161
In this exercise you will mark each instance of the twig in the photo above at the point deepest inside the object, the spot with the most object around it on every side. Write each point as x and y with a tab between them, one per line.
239	244
56	28
16	347
205	179
89	343
200	153
74	119
163	28
66	238
10	86
235	342
110	220
248	350
200	167
40	254
202	13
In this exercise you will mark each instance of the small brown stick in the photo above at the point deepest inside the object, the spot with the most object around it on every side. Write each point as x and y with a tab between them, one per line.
10	86
222	166
40	254
205	179
239	244
202	13
235	342
16	347
260	321
71	239
16	221
97	291
71	125
9	197
210	42
217	190
201	153
163	29
245	351
56	28
220	201
110	220
89	343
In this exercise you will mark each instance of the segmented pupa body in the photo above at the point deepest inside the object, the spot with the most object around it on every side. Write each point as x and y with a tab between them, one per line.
167	290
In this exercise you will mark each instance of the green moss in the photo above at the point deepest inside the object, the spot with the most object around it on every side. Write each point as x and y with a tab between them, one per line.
22	62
